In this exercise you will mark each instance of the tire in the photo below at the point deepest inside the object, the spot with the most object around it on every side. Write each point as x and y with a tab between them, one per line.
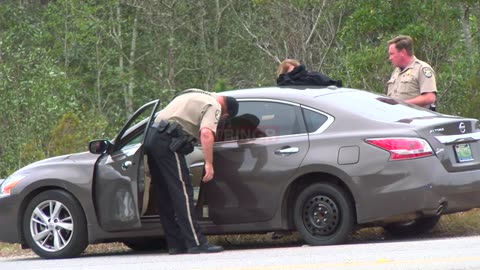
46	235
412	228
332	204
152	244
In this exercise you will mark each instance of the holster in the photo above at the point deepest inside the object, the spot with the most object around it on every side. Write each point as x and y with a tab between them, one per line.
181	141
182	145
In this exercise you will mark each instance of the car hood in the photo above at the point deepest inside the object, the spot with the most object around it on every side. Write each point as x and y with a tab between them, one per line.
85	158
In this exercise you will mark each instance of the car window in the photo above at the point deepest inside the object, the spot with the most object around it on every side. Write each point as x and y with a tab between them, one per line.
135	126
313	120
256	119
133	142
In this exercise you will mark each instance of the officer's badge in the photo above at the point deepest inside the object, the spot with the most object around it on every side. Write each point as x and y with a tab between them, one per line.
427	72
217	114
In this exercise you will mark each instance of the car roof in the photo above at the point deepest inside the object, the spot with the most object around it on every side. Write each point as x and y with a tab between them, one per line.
347	102
286	91
299	94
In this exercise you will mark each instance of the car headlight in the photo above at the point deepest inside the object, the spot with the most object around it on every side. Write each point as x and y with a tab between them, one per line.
8	184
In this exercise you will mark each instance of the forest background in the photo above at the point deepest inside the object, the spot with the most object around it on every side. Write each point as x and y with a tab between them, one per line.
74	70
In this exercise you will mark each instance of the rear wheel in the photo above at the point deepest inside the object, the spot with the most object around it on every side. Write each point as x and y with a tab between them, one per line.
54	225
412	228
323	214
151	244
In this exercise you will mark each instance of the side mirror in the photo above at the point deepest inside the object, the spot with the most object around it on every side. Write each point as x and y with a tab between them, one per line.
99	146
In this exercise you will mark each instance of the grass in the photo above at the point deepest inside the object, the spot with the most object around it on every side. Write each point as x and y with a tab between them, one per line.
454	225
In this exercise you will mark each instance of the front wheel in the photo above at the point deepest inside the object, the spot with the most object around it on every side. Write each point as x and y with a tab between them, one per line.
324	215
54	225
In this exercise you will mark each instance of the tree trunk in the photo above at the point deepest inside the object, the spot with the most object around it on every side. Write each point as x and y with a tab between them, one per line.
65	41
467	32
131	65
171	50
207	61
99	72
121	67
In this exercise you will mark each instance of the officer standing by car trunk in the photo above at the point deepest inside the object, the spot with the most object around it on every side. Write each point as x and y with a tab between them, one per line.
412	80
193	115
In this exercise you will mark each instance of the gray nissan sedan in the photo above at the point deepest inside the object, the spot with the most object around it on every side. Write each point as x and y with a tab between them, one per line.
320	161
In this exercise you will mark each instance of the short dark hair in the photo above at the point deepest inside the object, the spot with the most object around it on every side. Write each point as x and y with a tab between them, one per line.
232	106
403	42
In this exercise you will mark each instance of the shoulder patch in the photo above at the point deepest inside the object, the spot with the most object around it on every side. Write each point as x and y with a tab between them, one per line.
428	72
217	114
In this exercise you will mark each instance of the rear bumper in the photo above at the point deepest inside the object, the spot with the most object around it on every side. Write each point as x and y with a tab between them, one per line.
9	220
412	188
460	190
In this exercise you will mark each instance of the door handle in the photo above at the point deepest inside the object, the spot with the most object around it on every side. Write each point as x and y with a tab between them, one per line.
287	151
126	164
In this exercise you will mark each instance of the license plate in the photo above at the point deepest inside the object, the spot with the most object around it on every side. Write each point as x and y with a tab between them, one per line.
463	152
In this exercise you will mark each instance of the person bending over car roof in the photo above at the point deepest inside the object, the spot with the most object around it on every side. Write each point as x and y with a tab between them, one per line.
291	72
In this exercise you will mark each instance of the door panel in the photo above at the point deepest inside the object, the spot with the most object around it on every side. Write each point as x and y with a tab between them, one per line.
254	166
119	182
117	191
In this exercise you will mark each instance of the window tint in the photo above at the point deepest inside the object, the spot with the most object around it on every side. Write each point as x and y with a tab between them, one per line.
133	141
314	120
257	119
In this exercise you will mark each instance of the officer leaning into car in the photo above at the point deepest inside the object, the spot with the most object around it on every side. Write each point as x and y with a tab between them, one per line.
192	115
412	80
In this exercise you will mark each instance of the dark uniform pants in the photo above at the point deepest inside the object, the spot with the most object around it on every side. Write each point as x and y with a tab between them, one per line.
174	192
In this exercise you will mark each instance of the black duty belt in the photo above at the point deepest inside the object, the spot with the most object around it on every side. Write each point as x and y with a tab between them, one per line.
182	142
172	128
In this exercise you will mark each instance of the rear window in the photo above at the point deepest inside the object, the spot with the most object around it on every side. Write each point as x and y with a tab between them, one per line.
313	120
379	107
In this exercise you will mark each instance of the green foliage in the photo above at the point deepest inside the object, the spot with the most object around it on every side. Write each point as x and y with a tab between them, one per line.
33	90
30	152
67	136
222	85
360	65
73	132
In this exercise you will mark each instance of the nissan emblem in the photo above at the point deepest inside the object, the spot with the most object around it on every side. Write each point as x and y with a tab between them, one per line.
461	127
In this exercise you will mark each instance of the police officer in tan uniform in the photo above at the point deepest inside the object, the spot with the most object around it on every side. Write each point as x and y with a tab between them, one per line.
412	80
193	115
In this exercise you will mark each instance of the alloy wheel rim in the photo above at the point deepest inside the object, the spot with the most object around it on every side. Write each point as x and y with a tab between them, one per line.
51	226
321	215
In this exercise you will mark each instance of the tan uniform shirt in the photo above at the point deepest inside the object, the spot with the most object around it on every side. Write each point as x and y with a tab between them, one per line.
417	78
193	111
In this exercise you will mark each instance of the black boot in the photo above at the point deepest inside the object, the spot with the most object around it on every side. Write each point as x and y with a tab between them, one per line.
205	248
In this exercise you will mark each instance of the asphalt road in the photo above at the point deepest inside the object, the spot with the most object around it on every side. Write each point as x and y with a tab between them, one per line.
438	254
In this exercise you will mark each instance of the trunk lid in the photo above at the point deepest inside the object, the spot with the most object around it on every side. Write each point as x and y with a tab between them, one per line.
455	140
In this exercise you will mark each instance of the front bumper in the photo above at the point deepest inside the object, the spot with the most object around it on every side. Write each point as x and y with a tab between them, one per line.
9	219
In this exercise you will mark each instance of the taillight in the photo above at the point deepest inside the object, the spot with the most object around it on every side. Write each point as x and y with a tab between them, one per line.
403	148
